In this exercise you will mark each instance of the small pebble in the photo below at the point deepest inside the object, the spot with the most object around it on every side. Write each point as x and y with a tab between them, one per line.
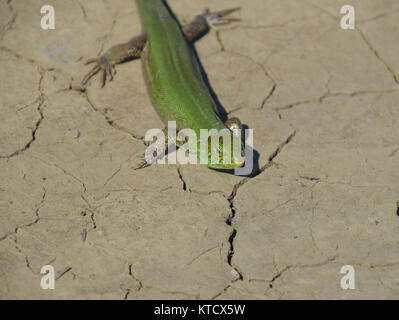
373	221
74	133
234	274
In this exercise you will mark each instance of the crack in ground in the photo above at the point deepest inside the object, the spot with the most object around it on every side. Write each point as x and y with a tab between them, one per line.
40	100
92	220
141	286
382	15
136	279
311	222
82	195
62	273
37	219
82	8
329	94
113	175
219	40
185	188
110	121
221	292
27	262
89	209
201	254
233	234
10	24
269	95
280	25
266	73
280	273
230	199
315	265
374	50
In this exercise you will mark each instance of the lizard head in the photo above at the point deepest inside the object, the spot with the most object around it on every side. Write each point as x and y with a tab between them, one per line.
228	152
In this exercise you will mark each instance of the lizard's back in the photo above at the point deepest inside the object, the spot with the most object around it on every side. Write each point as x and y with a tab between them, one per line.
172	73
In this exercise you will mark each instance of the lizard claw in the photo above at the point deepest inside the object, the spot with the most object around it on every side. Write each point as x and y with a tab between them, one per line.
143	164
103	65
217	18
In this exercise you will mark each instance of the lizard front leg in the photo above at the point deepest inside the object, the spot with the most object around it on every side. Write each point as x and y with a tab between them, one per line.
163	146
133	48
116	54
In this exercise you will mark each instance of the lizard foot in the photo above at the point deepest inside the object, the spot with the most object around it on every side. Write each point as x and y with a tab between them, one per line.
219	18
102	64
143	164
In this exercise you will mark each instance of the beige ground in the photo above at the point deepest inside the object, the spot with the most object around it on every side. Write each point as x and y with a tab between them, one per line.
324	106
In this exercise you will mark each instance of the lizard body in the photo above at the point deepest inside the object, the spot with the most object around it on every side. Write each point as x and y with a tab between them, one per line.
173	77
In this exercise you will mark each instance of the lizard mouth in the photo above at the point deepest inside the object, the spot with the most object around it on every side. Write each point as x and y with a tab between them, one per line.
228	163
226	166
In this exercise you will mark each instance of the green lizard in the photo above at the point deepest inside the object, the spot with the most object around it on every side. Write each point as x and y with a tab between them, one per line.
173	78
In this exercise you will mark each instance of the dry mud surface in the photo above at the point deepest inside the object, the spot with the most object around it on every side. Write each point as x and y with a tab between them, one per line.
324	106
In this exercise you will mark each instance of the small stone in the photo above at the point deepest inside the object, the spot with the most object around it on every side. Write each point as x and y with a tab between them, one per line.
74	133
84	235
234	274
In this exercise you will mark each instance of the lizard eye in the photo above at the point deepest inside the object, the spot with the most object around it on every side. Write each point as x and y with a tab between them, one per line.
235	126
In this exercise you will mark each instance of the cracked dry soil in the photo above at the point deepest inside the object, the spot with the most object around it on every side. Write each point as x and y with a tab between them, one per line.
323	104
